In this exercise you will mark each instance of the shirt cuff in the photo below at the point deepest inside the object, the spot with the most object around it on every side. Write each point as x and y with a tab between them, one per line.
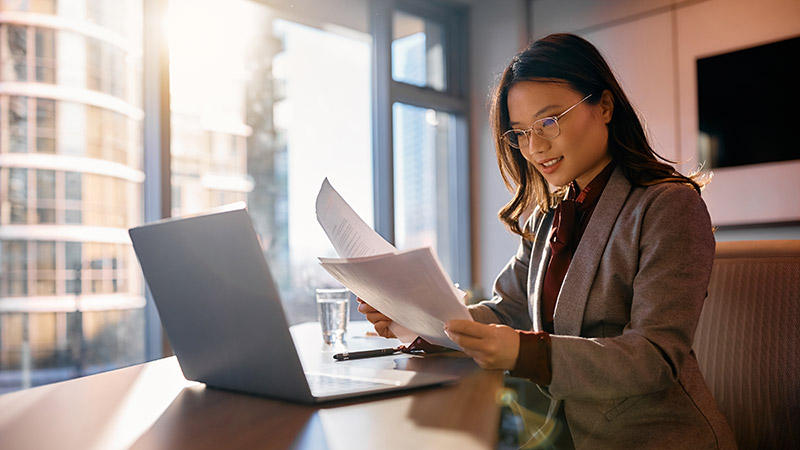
533	360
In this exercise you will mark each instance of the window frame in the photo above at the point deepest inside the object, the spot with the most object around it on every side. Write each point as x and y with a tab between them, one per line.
453	99
157	202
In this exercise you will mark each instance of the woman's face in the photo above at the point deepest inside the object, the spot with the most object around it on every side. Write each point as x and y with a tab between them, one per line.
580	151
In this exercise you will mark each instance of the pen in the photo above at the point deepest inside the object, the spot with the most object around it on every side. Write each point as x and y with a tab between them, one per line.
366	354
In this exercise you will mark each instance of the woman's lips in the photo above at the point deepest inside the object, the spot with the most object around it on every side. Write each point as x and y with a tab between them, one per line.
549	166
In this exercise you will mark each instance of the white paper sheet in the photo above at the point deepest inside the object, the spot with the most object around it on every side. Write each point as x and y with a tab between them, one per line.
356	243
349	234
409	287
352	237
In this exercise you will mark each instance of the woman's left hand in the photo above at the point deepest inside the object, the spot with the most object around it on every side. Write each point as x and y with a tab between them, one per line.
491	346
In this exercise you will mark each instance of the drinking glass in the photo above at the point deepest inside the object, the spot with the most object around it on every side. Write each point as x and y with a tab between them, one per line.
333	310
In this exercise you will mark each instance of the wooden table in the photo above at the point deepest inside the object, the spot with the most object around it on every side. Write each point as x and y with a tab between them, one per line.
152	406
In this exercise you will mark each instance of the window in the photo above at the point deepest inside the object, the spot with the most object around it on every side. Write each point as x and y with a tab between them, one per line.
418	53
15	56
14	277
46	196
263	108
45	55
424	151
421	179
16	205
17	124
45	125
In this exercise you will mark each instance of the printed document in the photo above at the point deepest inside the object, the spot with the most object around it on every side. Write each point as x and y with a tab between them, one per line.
410	287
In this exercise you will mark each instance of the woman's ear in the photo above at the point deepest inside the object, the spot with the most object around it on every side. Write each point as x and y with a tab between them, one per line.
606	106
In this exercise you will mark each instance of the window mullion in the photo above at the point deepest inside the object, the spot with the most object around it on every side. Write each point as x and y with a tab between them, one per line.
383	172
156	129
425	97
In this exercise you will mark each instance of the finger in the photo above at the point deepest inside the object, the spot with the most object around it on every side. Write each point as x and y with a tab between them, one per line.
382	328
377	317
365	308
468	328
358	299
467	342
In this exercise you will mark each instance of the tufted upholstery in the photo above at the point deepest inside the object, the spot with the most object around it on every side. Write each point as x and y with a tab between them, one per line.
748	341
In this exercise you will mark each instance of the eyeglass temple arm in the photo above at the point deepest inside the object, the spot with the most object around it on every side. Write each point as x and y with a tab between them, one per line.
570	108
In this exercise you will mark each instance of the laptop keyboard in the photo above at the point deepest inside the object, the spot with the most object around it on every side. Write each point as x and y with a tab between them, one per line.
325	384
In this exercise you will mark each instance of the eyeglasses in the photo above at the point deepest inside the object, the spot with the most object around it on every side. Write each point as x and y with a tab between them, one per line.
545	128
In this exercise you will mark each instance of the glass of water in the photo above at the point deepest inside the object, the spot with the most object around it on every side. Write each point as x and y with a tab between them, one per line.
333	311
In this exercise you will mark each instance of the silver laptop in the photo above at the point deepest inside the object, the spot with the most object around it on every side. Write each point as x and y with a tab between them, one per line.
222	314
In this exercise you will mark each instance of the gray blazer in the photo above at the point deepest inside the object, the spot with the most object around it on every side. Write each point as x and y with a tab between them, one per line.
622	360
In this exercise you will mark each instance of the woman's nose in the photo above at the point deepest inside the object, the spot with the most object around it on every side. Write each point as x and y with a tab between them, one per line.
536	145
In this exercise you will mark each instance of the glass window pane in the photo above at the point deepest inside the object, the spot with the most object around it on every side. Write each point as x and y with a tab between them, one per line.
45	268
73	217
72	185
45	125
418	51
94	64
45	184
46	215
73	262
421	195
18	195
13	268
94	132
46	196
18	124
45	55
17	42
263	109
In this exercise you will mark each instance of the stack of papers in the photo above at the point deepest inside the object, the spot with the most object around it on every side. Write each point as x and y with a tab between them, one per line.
410	287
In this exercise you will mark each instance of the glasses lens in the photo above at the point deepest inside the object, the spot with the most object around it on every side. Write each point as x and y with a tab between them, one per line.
546	128
512	137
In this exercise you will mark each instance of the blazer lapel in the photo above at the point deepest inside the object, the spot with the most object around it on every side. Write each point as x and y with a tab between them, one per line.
540	257
574	293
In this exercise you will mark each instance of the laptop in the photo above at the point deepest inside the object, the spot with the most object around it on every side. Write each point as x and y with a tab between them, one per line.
222	313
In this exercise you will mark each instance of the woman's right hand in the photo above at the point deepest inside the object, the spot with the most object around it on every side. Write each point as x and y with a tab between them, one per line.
377	319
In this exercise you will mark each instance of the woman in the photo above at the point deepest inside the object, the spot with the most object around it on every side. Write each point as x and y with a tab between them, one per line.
600	303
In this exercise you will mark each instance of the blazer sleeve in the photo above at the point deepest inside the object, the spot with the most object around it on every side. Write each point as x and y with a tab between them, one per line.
509	302
676	252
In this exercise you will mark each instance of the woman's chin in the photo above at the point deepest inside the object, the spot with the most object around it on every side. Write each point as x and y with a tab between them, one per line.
556	182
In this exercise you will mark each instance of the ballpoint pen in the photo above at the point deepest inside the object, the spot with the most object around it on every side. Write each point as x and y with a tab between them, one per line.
367	353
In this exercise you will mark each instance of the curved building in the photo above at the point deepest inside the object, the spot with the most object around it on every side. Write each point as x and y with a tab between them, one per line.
71	295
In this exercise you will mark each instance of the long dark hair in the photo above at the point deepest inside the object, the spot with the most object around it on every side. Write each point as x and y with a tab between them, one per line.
567	58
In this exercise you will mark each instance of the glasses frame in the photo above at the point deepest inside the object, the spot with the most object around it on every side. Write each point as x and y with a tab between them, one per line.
509	136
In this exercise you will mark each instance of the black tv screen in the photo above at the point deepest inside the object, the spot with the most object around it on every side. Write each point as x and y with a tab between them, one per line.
749	105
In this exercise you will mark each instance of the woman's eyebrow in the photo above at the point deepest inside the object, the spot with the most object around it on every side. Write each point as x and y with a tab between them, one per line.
538	113
541	111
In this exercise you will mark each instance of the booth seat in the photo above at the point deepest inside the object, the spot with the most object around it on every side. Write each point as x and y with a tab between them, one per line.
748	341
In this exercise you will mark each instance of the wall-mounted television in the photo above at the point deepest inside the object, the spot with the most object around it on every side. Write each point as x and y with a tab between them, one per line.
749	105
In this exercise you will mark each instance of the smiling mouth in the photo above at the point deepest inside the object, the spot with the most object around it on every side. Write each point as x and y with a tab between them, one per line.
552	162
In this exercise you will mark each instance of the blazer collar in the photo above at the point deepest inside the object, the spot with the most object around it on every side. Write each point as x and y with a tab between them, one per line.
574	293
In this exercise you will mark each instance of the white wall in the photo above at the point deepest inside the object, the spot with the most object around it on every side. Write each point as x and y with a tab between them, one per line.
497	32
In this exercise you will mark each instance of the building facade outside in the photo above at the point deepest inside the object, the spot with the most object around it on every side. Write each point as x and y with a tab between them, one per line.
71	295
